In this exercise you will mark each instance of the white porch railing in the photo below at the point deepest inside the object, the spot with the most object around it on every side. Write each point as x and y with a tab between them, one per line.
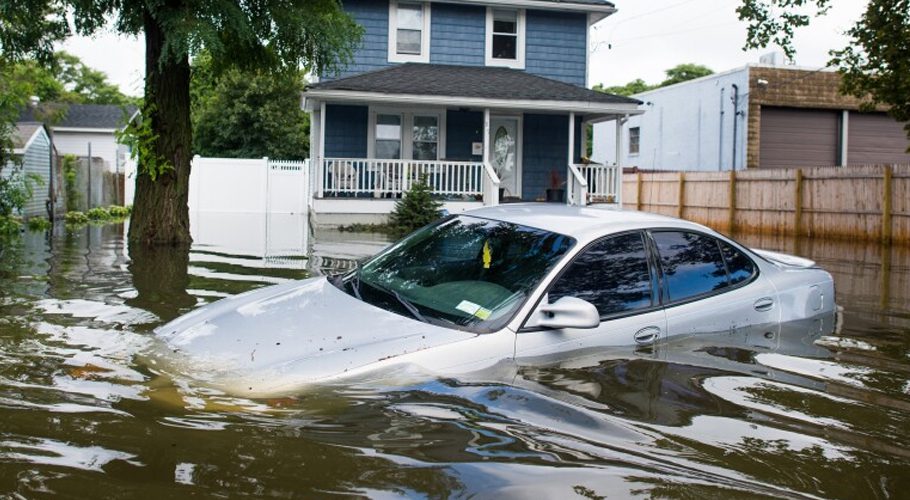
390	178
600	183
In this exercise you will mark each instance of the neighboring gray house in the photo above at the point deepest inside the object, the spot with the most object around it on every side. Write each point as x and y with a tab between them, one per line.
757	116
83	125
32	146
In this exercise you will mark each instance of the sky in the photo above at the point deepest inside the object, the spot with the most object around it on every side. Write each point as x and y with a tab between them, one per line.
641	40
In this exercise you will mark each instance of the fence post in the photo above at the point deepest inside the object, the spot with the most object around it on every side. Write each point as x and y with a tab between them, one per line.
638	203
731	224
886	206
798	203
681	197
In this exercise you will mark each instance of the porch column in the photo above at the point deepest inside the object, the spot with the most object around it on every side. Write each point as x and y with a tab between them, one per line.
491	188
570	179
320	164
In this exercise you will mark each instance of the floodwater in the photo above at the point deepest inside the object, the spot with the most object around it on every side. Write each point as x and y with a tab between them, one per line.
85	413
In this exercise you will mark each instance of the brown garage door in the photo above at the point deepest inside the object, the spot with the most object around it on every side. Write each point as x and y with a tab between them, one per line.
876	138
798	137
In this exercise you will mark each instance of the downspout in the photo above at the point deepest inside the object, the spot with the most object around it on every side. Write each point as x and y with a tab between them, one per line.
720	149
735	119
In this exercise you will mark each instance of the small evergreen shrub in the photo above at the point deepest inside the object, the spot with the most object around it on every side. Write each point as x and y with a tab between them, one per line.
39	224
416	209
98	213
75	217
118	212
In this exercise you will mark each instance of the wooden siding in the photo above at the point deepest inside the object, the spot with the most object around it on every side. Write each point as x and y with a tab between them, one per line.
875	138
457	34
346	129
373	53
555	42
556	45
36	160
463	128
545	144
799	137
862	203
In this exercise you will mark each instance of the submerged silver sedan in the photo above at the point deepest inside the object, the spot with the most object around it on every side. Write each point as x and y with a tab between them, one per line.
496	285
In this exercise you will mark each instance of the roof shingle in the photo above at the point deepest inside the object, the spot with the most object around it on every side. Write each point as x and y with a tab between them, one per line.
468	81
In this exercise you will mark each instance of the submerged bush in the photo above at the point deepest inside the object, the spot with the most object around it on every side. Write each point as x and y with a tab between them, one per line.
75	217
10	225
416	209
118	212
39	223
98	213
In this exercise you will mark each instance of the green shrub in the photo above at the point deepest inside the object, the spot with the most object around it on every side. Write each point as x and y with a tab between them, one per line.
118	212
416	209
10	225
68	165
98	213
75	217
39	223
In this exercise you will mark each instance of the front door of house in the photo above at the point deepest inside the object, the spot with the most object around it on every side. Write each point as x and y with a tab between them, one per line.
504	154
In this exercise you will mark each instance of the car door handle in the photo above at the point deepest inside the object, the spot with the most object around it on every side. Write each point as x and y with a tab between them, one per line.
647	335
764	304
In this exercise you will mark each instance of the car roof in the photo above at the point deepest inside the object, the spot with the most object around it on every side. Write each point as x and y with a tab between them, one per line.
579	222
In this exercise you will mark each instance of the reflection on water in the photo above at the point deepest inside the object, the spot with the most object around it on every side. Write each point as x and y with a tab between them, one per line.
85	411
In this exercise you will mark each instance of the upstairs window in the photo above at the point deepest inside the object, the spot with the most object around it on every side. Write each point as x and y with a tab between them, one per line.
505	45
634	140
409	32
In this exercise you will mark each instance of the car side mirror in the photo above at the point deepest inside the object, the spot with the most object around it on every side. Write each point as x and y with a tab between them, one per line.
567	312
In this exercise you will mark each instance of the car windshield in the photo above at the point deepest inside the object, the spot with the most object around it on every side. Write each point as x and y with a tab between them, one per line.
463	272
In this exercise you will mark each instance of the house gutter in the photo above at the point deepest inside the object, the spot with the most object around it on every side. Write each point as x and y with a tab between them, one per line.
477	102
605	8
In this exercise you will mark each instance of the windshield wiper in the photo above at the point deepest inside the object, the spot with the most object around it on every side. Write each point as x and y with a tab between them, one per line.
355	282
409	306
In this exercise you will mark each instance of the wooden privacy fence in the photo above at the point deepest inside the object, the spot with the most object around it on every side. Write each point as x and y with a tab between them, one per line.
868	202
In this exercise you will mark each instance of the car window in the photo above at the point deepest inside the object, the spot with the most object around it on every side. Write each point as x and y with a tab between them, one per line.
691	263
463	272
612	274
739	267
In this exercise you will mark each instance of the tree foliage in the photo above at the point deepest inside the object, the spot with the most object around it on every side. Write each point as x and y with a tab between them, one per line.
66	79
874	65
273	35
676	74
248	113
685	72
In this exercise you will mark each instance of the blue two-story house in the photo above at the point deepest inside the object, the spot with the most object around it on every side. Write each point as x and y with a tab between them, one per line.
485	99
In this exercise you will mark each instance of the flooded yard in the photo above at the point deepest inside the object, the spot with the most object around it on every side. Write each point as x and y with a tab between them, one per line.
84	411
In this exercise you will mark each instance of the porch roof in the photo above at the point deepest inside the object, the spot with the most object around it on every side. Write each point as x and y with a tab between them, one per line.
471	86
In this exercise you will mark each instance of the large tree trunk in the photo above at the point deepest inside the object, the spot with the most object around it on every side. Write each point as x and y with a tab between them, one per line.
160	214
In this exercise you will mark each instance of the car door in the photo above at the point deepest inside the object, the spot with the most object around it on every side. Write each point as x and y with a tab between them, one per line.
616	274
710	286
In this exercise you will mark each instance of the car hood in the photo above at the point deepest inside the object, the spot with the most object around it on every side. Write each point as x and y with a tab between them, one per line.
291	334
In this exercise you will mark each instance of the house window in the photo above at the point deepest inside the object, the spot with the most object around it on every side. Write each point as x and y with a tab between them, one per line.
505	44
426	138
388	136
409	32
634	138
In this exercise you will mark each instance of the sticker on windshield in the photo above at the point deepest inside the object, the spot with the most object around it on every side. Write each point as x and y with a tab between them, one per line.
473	309
468	307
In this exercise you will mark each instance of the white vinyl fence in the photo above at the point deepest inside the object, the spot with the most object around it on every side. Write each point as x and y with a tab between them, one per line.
242	185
